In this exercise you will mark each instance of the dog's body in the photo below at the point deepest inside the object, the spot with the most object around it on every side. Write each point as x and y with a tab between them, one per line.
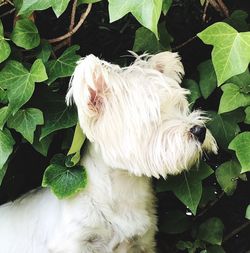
139	125
110	215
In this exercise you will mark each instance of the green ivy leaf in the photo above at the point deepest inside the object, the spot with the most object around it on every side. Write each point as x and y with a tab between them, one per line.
241	145
28	6
211	231
42	146
45	51
174	222
64	65
63	181
194	89
25	122
188	186
5	112
247	216
227	175
238	20
78	140
208	80
146	41
166	4
3	96
242	80
59	6
38	71
231	52
25	34
224	127
4	45
6	148
146	12
232	98
57	115
247	119
20	83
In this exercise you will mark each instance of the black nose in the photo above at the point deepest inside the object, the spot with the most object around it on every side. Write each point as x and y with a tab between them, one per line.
199	132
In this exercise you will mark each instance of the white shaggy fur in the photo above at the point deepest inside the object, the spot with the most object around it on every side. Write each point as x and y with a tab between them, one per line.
138	123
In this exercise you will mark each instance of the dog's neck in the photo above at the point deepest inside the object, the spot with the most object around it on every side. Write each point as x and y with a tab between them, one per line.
112	184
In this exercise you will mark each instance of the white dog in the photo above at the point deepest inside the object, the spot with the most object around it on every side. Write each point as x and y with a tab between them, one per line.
139	126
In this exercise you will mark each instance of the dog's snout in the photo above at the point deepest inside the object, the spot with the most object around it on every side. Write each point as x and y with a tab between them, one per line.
199	132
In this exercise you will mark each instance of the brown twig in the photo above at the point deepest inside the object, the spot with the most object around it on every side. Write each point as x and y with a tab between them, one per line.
75	29
219	6
7	13
72	20
10	2
205	11
236	231
184	43
60	45
223	8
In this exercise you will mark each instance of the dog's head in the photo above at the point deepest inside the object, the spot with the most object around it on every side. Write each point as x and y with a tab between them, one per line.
138	116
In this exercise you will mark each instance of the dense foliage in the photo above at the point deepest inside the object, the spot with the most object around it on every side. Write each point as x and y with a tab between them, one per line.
204	210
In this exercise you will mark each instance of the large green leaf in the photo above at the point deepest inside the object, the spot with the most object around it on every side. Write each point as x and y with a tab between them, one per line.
25	34
20	83
208	80
25	122
147	12
64	65
232	98
241	145
146	41
59	6
231	52
4	45
211	231
57	115
29	6
63	181
6	148
224	127
227	175
188	186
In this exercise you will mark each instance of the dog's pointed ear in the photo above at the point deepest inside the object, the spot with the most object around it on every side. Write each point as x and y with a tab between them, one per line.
169	64
88	83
